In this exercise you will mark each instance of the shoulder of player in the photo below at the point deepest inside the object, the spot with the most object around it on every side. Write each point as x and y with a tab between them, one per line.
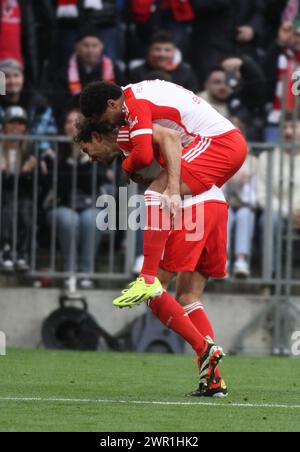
136	111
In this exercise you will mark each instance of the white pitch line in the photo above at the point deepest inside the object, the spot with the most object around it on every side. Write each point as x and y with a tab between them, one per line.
148	402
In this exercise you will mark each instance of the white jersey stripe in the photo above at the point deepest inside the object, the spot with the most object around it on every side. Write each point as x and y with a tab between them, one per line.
141	132
193	149
201	151
204	144
196	150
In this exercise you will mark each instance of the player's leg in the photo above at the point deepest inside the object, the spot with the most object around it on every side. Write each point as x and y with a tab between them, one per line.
159	223
190	288
174	316
171	314
189	291
184	251
197	261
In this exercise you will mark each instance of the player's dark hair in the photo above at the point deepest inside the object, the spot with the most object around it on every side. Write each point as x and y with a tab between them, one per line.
86	126
94	98
163	37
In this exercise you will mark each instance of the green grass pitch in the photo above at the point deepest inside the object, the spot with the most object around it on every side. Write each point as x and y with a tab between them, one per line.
111	392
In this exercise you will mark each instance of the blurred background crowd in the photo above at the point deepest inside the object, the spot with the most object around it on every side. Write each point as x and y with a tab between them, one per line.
234	53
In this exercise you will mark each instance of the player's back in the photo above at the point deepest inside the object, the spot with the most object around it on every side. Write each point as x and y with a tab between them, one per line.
175	107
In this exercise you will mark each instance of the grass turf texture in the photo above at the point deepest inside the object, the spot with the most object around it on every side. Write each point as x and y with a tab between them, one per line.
92	384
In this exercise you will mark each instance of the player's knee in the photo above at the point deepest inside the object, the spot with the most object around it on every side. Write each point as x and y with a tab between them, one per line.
164	278
164	282
186	299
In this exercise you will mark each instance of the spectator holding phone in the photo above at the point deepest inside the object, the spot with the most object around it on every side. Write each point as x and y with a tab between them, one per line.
247	101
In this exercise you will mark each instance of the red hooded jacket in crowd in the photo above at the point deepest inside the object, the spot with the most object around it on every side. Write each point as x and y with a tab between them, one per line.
182	10
10	31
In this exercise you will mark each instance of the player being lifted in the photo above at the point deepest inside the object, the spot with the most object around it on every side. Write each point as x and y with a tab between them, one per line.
213	151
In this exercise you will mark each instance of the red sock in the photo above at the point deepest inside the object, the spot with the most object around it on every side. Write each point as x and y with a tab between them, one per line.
156	233
201	321
171	314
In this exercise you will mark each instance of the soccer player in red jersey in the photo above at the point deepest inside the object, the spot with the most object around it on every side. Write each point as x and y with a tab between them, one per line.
211	151
191	250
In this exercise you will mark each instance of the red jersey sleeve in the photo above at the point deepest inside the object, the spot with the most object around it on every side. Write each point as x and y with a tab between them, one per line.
123	140
139	118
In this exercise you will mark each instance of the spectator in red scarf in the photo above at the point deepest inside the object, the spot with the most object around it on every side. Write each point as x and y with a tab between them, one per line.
164	56
87	64
103	14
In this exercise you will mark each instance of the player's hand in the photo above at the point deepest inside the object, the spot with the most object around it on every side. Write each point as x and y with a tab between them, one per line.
232	64
171	200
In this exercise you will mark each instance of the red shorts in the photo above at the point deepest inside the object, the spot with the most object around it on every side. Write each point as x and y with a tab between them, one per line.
213	161
208	255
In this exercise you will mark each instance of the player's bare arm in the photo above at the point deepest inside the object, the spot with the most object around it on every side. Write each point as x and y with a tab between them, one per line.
169	142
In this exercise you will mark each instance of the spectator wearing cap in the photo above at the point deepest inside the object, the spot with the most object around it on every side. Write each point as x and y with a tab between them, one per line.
163	55
87	64
40	115
17	167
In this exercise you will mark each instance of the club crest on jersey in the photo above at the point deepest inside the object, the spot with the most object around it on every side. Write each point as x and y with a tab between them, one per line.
132	122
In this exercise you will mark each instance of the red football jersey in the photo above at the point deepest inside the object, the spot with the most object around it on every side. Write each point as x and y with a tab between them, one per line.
171	106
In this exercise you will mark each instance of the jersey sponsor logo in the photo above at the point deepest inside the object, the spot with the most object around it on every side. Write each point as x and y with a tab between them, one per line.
132	122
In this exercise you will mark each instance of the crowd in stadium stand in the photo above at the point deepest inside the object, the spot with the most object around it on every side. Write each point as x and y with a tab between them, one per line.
234	53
